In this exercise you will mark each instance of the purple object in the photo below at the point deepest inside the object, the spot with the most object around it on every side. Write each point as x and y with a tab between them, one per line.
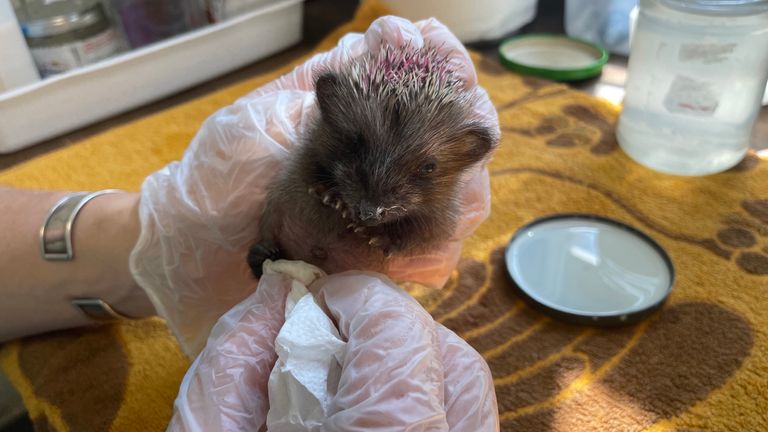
148	21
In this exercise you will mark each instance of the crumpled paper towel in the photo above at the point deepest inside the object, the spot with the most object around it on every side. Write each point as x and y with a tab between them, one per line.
310	353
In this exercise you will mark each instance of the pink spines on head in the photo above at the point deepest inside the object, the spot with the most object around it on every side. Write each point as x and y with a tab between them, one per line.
407	73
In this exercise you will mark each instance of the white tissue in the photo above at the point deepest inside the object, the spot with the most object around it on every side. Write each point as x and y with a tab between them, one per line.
307	371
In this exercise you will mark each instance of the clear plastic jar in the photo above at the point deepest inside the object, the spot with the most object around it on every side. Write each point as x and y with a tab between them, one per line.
64	35
697	71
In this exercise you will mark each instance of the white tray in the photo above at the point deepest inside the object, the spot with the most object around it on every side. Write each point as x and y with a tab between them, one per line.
65	102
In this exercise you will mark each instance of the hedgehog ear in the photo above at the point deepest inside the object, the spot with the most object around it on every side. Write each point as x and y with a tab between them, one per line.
477	142
327	91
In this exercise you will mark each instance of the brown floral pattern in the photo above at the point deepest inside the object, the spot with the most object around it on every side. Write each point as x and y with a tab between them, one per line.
577	125
551	376
743	236
746	235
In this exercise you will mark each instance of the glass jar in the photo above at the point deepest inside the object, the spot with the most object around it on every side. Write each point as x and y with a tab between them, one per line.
64	35
697	71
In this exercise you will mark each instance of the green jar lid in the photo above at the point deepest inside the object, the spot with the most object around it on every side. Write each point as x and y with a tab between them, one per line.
553	56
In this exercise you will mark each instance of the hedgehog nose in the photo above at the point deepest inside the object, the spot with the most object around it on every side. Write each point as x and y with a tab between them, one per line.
368	212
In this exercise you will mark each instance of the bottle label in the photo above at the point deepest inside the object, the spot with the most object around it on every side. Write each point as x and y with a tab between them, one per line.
706	53
62	58
691	96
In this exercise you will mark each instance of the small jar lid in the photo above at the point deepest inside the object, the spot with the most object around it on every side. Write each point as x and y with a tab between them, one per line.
588	269
63	23
553	56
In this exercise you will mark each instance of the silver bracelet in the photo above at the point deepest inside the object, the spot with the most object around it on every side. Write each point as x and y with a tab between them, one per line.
97	309
56	245
56	232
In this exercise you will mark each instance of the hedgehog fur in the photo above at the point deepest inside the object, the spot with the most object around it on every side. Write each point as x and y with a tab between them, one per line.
383	162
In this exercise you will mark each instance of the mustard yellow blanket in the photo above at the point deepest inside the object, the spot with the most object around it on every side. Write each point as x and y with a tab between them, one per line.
701	363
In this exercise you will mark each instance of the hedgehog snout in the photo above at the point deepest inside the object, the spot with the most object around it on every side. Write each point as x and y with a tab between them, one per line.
374	214
370	213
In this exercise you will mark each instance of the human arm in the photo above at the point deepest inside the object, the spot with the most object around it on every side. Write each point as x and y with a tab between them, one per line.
36	293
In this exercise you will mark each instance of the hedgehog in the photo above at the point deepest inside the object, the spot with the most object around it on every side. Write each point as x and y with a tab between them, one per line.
380	170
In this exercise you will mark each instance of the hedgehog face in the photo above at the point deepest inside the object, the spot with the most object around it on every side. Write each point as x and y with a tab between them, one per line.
378	183
395	136
392	159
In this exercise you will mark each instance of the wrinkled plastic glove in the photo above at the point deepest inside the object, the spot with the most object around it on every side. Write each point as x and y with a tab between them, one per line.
199	216
401	370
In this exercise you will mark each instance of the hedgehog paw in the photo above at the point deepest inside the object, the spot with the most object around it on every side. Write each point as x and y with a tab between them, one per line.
259	253
332	200
383	243
360	230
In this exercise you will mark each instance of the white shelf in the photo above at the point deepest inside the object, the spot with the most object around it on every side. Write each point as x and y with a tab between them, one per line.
71	100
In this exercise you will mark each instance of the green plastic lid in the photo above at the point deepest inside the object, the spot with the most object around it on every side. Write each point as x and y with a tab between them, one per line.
553	56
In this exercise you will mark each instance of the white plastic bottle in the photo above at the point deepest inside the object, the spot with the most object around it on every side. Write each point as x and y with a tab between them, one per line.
697	71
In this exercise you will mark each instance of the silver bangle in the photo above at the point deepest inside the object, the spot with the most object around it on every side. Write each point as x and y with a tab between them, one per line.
98	310
56	232
56	245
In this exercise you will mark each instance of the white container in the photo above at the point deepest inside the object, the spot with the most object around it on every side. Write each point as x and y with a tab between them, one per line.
67	101
470	20
697	72
222	10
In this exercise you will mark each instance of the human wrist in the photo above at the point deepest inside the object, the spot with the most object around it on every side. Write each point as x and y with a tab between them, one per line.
104	235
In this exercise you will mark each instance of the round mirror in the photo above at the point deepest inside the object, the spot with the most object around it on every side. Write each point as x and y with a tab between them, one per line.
589	269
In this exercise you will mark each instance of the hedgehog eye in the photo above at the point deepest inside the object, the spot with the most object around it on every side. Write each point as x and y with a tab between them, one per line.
428	168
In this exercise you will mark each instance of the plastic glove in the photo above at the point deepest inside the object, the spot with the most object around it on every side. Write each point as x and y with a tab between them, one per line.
401	371
200	215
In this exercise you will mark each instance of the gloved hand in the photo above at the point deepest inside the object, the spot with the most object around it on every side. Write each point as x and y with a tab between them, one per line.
401	371
200	215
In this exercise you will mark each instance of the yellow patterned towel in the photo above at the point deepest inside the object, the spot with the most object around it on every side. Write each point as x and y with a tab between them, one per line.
701	363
